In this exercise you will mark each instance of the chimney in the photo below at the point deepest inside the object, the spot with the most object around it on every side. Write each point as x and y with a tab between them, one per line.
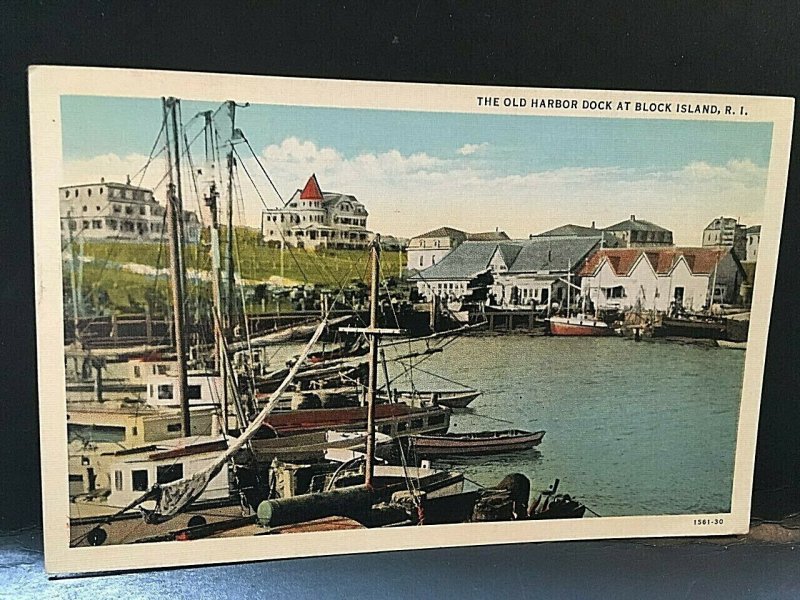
102	180
128	182
633	217
593	223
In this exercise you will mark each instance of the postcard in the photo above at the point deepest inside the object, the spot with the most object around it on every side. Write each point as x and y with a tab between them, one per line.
288	317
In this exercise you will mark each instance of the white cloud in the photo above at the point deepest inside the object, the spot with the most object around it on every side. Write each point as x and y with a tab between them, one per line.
468	149
409	193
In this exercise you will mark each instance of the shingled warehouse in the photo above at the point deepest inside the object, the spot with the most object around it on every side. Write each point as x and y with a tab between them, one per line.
524	272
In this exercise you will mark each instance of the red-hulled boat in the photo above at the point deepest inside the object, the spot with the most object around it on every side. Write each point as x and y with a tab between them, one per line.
579	325
390	419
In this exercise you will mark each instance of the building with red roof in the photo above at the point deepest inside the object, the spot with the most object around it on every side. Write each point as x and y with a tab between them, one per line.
313	218
661	278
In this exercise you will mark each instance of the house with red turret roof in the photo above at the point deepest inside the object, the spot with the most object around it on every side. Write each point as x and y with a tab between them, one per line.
313	218
661	278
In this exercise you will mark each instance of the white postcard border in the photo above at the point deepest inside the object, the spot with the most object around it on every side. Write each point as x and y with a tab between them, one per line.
48	84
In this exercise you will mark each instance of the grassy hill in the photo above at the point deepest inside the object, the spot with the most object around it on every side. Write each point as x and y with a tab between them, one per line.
106	282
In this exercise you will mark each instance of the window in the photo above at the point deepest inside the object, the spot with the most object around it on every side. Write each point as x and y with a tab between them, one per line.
97	208
89	191
137	371
420	261
118	480
101	191
165	391
85	208
117	208
615	292
75	478
66	194
142	210
402	427
173	427
416	423
97	224
193	392
140	482
436	420
85	225
168	473
77	193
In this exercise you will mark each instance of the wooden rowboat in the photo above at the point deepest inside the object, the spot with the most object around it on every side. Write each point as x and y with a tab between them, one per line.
476	443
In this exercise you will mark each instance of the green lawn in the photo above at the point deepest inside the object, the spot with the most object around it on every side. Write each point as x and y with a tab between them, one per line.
122	290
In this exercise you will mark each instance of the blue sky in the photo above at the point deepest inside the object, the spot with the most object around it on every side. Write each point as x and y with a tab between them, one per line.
403	163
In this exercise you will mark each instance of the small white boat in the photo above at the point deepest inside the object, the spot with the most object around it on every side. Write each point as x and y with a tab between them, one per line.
732	345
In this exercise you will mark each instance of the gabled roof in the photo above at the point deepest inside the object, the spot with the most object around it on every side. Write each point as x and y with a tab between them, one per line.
701	261
520	256
754	229
543	254
312	190
571	229
488	236
635	225
332	198
441	232
464	262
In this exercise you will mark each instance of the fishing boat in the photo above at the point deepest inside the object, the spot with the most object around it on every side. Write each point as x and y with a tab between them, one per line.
391	419
477	443
448	398
579	325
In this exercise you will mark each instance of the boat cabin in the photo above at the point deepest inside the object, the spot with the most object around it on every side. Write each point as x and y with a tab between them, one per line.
202	390
133	472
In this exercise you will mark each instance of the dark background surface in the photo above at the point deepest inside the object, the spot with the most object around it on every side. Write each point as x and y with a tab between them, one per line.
727	47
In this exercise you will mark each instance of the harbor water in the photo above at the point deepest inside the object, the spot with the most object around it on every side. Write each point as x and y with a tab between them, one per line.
632	428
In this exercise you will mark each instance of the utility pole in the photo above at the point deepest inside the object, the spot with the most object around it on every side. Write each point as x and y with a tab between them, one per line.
177	281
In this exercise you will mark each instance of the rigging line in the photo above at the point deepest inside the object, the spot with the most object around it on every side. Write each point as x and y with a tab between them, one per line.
142	170
182	154
482	416
412	365
116	238
317	262
263	170
430	288
193	177
240	207
286	245
443	378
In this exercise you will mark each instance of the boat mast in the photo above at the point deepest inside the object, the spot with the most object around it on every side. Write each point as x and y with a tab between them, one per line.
212	201
229	222
174	218
569	285
373	333
375	271
73	281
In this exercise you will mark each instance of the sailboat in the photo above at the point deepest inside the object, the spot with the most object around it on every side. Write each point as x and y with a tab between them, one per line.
580	324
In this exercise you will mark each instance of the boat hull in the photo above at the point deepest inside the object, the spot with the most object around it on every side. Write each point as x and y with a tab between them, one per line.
579	327
475	445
